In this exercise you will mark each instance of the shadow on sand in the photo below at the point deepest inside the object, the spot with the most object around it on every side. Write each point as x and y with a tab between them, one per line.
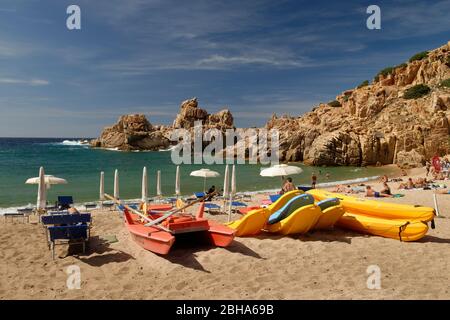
99	253
184	251
322	235
433	239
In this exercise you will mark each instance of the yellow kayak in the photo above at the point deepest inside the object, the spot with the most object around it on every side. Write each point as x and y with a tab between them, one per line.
395	229
379	209
300	221
329	217
255	220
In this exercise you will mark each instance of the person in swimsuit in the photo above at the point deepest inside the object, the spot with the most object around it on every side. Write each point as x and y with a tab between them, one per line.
313	180
386	192
287	186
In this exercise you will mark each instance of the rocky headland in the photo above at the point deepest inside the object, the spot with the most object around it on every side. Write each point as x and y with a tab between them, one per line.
401	117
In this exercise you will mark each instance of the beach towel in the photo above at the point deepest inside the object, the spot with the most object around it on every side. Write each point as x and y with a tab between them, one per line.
398	195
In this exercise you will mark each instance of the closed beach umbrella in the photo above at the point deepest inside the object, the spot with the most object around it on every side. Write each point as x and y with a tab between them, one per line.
226	183
158	183
144	185
42	190
102	186
280	170
177	182
116	184
205	173
233	181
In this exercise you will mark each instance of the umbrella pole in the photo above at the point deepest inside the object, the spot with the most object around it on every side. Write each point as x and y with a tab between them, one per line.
204	185
230	207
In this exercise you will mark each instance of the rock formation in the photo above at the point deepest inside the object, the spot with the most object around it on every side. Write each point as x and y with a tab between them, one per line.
368	125
190	112
132	132
374	123
135	132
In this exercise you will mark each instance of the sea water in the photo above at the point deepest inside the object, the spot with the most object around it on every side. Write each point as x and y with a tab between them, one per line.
20	159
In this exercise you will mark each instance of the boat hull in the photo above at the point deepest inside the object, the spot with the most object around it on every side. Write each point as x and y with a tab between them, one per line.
159	241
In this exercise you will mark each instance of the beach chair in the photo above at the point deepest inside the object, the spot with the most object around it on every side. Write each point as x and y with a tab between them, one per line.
199	195
274	197
90	205
238	204
212	207
64	202
13	215
67	229
304	188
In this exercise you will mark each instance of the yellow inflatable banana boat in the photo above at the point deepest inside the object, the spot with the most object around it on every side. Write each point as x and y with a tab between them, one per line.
395	229
255	220
300	221
379	209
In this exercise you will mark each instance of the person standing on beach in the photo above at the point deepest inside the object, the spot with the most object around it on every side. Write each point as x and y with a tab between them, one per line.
428	167
313	180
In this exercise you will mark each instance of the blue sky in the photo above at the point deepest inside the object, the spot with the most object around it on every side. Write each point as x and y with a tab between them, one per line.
138	56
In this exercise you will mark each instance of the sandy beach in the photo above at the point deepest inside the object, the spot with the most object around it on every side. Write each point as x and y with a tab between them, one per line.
319	265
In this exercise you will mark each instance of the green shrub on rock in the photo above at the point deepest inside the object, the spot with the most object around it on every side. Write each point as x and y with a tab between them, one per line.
334	104
417	91
365	83
419	56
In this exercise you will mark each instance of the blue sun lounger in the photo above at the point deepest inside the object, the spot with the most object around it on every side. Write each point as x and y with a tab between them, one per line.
274	197
238	204
67	228
209	207
199	195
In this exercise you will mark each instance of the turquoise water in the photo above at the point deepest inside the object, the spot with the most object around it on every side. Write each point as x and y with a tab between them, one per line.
21	158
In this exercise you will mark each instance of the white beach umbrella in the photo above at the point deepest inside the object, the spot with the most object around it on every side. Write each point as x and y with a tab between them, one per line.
102	186
116	184
280	170
42	190
226	182
144	185
205	173
177	182
233	181
158	183
48	180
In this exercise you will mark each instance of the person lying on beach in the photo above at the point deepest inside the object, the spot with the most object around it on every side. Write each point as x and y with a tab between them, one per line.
421	182
384	178
386	191
339	189
372	193
407	185
73	210
287	186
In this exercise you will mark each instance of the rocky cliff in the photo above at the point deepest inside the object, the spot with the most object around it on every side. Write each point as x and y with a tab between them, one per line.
402	117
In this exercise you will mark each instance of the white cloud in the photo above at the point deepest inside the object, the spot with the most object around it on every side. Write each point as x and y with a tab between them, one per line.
29	82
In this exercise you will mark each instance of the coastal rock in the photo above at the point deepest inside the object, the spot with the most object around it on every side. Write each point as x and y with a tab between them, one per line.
135	132
375	124
191	112
131	132
372	124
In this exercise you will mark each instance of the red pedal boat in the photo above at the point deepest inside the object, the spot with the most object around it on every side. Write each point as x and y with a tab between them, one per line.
160	238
